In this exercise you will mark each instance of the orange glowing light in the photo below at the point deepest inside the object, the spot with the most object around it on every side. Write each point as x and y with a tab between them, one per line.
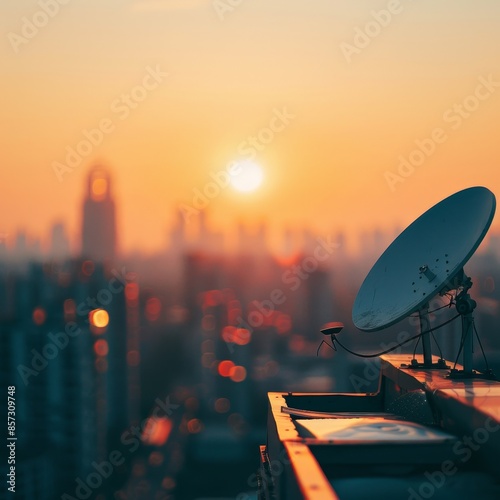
99	188
88	267
132	292
225	368
233	314
156	431
101	347
39	316
242	336
288	260
194	426
99	318
228	334
238	373
213	298
283	323
69	308
153	309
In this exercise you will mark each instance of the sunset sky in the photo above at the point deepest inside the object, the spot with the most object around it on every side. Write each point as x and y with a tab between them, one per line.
347	106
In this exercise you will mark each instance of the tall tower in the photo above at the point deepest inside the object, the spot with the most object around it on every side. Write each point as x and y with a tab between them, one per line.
59	243
98	227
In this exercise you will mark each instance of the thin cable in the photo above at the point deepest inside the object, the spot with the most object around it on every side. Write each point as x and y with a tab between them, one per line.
415	349
439	348
442	307
480	345
435	341
462	341
335	339
415	315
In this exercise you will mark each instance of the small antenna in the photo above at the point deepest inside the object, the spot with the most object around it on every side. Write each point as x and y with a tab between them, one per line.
330	329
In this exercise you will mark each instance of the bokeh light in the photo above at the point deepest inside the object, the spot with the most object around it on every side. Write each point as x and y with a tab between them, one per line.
99	318
153	309
222	405
194	426
39	316
225	368
101	347
99	188
238	373
88	267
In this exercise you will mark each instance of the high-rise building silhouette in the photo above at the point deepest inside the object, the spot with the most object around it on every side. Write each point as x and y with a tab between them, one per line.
98	226
59	242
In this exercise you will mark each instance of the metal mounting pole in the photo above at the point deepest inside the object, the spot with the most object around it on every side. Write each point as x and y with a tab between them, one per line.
425	326
465	306
467	338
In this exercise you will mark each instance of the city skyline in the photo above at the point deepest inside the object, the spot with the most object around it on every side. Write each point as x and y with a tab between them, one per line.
194	230
356	119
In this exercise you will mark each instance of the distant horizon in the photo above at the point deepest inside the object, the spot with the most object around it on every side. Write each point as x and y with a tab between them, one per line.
359	114
274	242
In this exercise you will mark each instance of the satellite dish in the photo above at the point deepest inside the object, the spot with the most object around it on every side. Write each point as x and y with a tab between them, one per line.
426	259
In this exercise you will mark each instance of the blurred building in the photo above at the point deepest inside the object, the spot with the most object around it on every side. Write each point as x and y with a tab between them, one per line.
59	242
99	224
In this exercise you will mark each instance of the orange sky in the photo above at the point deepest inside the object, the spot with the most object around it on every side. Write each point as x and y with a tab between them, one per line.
227	78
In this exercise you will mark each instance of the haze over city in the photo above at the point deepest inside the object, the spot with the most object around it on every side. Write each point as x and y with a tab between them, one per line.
221	75
190	190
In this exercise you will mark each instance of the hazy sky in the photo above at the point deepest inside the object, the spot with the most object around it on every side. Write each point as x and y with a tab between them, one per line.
352	103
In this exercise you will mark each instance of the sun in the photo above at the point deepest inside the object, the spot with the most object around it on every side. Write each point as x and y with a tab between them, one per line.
248	177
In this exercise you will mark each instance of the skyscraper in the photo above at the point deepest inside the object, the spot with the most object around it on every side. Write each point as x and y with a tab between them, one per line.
59	243
98	226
